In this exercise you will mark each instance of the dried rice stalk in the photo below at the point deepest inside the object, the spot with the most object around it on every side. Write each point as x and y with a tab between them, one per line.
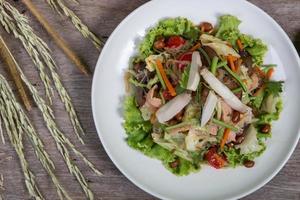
1	185
62	142
2	182
56	37
59	6
25	127
11	66
30	40
1	133
15	137
23	33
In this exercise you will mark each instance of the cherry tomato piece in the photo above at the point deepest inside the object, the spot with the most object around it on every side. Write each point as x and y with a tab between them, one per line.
214	159
175	41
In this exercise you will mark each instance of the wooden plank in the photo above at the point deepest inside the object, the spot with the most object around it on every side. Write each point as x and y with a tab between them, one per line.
103	16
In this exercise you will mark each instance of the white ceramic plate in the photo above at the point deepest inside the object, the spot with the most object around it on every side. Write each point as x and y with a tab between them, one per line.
149	174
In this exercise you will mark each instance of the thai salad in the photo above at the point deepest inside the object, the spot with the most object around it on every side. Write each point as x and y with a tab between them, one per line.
199	94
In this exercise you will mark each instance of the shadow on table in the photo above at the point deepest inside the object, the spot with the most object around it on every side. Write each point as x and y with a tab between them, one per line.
297	42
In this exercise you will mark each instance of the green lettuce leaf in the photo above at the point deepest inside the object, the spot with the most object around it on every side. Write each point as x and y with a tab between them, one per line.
256	48
134	124
184	168
169	27
269	117
136	128
228	30
184	77
234	157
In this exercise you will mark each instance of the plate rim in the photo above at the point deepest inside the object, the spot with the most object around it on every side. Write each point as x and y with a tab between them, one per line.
115	162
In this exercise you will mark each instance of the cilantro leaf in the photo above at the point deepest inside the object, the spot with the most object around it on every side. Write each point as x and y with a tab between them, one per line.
274	87
184	77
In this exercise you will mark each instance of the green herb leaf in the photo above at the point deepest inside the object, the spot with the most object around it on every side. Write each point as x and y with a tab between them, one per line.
274	87
184	77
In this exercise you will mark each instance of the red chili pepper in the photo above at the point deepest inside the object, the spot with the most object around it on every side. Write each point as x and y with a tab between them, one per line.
185	57
166	94
214	159
175	41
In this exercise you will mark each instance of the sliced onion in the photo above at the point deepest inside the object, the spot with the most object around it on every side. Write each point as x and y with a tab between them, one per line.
170	109
222	49
205	39
194	76
208	108
224	92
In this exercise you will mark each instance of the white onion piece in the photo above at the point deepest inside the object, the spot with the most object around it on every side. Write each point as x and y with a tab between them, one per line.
222	49
194	76
208	108
224	92
205	39
170	109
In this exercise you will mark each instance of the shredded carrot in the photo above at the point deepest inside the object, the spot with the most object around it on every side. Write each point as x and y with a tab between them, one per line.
195	47
259	71
239	44
270	73
230	59
165	78
225	137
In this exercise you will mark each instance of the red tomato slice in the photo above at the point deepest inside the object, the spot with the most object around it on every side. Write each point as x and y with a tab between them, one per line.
175	41
214	159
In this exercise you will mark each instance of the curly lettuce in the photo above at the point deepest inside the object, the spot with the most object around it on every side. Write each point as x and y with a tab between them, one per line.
168	27
136	128
256	48
252	147
228	30
235	158
267	118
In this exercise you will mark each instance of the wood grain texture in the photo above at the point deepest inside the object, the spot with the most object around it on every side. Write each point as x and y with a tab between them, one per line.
102	16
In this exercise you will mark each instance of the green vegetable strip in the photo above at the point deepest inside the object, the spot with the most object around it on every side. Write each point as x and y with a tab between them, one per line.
199	88
213	66
160	78
162	97
205	55
236	90
222	64
182	124
237	78
220	134
137	84
270	65
223	124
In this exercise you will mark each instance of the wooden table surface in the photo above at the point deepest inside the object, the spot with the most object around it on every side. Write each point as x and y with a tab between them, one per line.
103	16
